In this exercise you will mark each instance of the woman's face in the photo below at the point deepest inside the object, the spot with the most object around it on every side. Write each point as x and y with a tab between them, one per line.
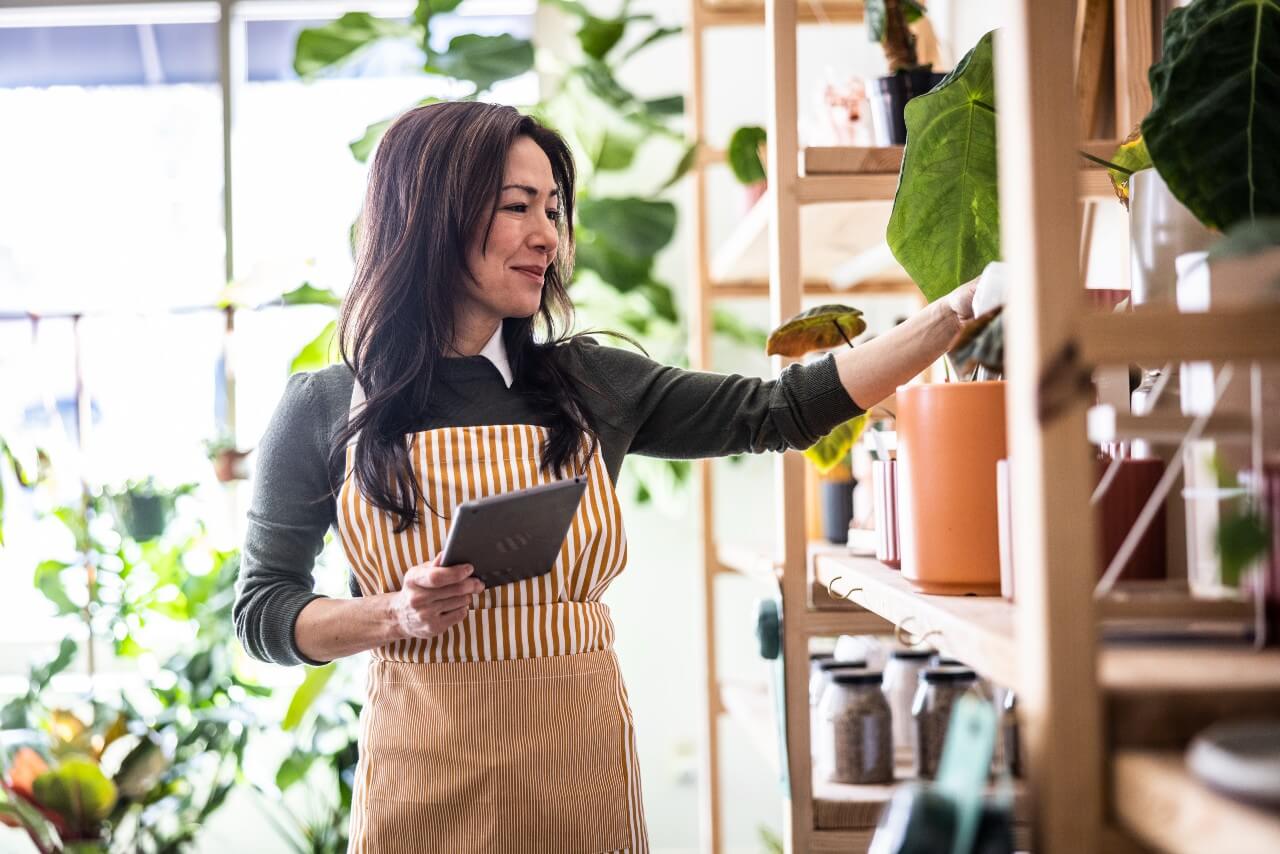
507	273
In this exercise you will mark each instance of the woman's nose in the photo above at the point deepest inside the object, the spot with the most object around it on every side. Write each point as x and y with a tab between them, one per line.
546	237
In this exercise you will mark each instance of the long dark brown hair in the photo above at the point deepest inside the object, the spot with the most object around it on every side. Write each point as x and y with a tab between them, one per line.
434	185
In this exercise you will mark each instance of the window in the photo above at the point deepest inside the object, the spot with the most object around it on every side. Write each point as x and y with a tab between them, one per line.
112	212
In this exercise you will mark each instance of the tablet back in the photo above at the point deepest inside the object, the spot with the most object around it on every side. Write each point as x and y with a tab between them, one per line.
514	535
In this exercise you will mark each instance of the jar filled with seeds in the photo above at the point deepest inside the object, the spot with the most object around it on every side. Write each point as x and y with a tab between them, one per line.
901	676
819	680
937	692
856	716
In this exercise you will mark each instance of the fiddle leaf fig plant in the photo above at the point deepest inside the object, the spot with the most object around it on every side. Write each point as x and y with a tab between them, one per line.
822	328
1214	126
945	224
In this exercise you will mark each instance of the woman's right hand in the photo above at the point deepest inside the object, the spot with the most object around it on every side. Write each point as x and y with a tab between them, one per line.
434	598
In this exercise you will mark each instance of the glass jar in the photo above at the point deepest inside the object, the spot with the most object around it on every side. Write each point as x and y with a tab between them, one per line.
819	678
858	725
936	694
901	676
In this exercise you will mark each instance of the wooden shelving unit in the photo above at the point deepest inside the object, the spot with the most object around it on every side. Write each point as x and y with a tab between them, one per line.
1103	727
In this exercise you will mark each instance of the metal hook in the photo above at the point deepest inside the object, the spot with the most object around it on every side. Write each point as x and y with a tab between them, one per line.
834	595
900	633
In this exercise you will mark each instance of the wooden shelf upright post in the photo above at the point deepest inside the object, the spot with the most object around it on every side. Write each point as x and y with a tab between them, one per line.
1054	622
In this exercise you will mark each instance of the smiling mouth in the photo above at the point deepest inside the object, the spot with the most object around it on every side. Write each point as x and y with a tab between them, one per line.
535	275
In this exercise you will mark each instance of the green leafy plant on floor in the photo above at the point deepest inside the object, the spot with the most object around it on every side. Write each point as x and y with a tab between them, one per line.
822	328
140	770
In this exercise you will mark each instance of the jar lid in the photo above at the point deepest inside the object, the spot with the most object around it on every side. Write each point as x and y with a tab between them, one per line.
856	677
947	674
832	664
912	654
821	656
943	661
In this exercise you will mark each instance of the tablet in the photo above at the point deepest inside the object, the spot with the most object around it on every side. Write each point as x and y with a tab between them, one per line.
514	535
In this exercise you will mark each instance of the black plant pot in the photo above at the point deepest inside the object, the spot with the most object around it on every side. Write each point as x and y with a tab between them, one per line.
889	100
837	509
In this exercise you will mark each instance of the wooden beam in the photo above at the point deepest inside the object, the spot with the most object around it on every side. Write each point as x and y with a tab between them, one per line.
1158	336
1093	25
789	495
1134	54
844	159
1057	683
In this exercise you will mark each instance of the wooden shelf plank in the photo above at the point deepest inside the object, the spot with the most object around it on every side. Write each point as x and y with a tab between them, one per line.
977	630
843	159
1161	697
811	189
759	288
1158	336
1107	425
1158	801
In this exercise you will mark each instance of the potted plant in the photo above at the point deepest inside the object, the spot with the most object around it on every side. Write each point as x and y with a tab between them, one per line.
144	508
229	463
823	328
889	23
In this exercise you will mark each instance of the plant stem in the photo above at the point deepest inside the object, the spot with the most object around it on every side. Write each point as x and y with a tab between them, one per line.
840	329
1107	163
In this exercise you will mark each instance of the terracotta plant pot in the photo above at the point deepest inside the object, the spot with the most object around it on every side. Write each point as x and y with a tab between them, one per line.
229	465
950	436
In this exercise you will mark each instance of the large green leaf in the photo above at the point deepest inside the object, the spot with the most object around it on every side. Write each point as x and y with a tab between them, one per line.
319	353
306	694
833	448
1214	126
484	60
48	580
598	35
79	793
319	48
309	294
1248	238
744	154
633	226
819	328
945	225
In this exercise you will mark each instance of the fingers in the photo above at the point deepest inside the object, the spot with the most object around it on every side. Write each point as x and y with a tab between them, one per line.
432	575
454	604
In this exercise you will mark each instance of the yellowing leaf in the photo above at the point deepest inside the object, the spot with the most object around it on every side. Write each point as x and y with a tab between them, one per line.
819	328
1133	156
833	448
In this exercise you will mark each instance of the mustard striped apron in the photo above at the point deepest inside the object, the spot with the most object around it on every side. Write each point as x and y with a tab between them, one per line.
511	732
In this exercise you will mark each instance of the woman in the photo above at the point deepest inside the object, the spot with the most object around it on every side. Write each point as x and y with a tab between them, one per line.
497	719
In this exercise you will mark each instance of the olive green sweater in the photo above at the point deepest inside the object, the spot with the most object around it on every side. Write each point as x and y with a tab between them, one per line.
638	406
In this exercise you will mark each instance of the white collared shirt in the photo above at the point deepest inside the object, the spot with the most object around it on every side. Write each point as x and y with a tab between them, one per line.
496	352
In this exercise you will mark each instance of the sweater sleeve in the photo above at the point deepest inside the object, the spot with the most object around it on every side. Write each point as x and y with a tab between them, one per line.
287	526
677	413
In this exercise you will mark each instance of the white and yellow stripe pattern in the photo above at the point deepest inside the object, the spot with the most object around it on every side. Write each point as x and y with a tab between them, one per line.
511	731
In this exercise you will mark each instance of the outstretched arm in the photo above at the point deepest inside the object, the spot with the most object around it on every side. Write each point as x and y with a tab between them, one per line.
872	371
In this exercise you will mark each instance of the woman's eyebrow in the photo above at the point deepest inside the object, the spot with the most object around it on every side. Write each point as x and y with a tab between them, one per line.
530	190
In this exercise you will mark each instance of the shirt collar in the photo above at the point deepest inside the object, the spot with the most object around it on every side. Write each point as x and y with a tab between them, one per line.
496	352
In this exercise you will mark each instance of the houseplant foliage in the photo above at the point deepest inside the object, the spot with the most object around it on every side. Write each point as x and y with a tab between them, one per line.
1216	89
945	224
887	23
822	328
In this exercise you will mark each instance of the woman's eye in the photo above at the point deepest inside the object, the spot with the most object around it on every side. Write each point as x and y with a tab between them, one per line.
521	208
553	215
